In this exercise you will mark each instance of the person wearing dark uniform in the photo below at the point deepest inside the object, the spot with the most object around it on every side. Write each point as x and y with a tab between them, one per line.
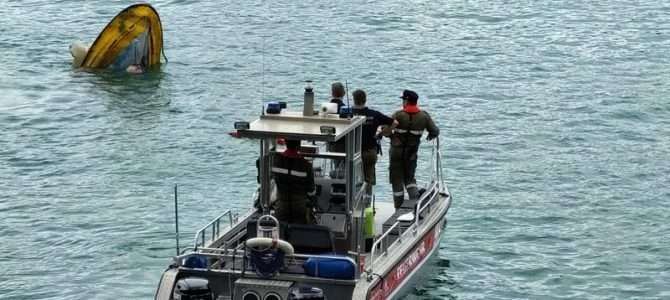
294	178
370	146
405	142
338	92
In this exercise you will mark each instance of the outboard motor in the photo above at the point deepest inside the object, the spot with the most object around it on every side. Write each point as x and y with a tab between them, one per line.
192	288
306	293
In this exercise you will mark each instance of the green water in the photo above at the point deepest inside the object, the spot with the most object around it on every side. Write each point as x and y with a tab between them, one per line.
554	114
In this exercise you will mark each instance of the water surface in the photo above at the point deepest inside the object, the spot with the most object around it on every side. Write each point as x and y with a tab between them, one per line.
554	116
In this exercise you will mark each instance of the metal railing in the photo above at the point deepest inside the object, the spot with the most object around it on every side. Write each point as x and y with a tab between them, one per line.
420	207
214	227
219	260
433	192
381	243
212	230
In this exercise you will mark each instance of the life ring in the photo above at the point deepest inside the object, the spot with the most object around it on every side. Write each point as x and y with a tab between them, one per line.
265	242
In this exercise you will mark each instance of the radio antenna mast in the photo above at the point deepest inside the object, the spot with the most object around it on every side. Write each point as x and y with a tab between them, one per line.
176	218
346	92
263	75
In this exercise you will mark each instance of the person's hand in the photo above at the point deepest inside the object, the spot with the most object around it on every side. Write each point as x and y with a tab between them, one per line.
386	131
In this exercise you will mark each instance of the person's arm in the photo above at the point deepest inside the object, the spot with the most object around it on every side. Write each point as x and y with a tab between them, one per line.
391	123
394	124
433	130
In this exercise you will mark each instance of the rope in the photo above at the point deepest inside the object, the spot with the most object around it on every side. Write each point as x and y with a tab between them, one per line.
163	52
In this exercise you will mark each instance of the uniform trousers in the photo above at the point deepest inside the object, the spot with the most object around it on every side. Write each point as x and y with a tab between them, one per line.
401	173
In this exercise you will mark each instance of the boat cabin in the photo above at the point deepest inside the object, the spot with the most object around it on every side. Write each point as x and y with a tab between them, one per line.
340	190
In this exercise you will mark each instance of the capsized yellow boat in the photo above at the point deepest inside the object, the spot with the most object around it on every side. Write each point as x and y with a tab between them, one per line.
134	38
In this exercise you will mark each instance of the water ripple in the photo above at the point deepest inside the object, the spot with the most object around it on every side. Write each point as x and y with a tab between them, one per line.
553	116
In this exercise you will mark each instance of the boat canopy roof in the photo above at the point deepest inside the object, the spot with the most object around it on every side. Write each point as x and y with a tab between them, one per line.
293	125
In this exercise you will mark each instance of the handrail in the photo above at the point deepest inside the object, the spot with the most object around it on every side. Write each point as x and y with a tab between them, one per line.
435	176
439	165
376	244
433	191
419	208
436	159
221	253
380	241
360	195
215	226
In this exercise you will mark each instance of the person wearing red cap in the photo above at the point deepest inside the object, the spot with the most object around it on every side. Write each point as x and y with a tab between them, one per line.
405	141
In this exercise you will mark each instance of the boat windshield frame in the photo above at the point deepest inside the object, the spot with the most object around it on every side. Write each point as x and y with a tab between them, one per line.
291	125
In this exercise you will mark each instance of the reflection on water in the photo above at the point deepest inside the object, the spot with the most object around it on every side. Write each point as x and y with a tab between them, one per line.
129	95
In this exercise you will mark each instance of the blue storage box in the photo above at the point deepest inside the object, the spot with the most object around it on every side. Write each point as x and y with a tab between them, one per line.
195	261
334	267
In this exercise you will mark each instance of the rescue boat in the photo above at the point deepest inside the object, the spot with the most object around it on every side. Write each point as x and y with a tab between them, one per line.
359	248
132	41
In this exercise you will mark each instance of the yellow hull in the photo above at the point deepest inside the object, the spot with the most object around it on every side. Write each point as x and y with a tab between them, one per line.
120	33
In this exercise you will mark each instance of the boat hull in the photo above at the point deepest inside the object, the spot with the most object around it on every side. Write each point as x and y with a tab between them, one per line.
396	283
136	21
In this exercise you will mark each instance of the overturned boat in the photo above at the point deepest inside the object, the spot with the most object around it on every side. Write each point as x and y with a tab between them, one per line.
132	41
359	248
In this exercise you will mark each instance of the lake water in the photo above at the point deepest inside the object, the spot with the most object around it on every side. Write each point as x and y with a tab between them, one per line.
555	125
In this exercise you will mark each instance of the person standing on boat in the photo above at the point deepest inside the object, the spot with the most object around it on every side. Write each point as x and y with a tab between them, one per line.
405	141
294	178
370	144
338	92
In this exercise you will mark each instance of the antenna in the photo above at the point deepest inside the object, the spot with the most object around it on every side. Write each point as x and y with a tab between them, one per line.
262	75
346	92
176	218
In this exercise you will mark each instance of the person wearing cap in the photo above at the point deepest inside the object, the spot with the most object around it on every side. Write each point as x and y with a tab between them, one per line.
294	178
370	146
405	141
